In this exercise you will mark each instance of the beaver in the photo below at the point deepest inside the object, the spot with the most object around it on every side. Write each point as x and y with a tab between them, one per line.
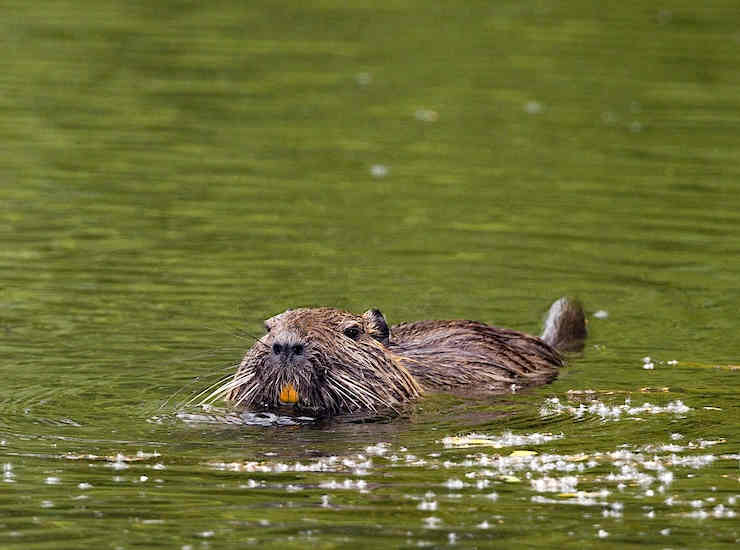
327	362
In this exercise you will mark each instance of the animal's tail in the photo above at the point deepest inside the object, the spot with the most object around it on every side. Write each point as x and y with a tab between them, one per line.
565	325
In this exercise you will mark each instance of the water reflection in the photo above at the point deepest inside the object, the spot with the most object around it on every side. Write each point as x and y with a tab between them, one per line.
214	416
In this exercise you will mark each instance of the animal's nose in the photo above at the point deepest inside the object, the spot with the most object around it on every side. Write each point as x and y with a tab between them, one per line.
280	348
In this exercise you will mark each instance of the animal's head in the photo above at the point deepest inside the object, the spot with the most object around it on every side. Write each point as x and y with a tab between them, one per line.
322	362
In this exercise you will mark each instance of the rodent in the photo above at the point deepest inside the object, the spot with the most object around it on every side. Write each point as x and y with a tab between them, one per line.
326	362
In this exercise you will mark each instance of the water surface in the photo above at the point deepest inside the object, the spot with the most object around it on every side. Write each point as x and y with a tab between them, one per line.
174	173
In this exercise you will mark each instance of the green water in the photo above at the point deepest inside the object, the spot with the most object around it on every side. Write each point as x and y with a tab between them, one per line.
172	173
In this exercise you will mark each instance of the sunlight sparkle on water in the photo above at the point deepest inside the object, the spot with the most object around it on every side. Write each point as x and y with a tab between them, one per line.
379	170
553	406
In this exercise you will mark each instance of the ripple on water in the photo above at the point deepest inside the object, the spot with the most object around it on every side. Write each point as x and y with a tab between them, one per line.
553	406
220	417
617	481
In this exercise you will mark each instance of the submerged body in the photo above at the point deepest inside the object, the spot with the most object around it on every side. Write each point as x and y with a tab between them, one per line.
326	361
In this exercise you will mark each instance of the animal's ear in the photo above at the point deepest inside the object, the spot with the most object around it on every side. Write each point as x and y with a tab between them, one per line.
377	326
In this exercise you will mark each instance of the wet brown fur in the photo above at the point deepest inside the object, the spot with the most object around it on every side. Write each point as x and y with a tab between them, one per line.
340	362
454	355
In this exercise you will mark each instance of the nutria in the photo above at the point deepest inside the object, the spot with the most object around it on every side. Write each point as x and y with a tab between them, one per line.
327	362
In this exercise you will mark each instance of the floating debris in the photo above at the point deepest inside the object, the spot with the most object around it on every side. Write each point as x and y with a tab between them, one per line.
533	107
379	170
719	512
510	479
426	115
454	484
323	464
363	78
118	458
652	471
379	449
523	453
432	522
8	475
553	406
348	484
507	439
566	484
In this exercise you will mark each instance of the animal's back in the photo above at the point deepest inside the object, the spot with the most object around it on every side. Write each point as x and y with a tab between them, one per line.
473	356
476	357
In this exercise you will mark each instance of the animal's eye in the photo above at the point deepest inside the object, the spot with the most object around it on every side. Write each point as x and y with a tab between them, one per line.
352	332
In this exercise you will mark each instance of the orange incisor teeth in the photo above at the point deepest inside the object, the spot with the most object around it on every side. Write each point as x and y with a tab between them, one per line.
288	394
